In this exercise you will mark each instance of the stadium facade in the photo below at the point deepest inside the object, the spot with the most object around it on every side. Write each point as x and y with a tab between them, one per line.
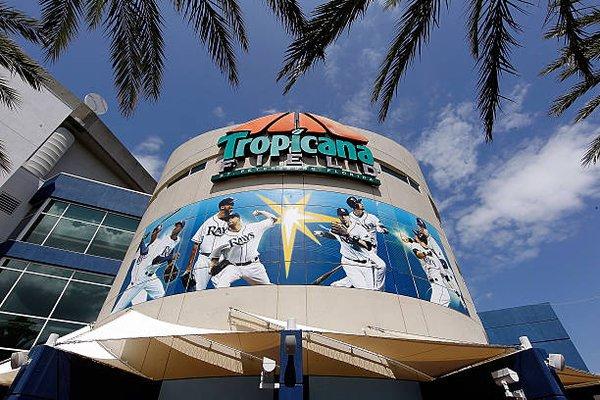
287	257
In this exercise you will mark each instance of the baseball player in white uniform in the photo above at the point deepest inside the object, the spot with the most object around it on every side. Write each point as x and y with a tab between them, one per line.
355	249
204	242
433	269
372	224
238	248
429	242
144	283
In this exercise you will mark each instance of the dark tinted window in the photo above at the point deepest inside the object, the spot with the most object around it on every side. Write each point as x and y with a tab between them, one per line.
34	294
81	302
18	332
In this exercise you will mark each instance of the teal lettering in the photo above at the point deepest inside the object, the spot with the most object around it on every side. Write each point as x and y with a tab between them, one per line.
346	150
365	155
240	149
278	143
260	145
305	144
229	141
326	146
295	147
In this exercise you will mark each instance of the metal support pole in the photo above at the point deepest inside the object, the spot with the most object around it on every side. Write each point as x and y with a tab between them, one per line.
290	361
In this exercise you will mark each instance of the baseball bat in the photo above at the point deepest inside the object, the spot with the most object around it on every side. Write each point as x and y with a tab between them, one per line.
326	275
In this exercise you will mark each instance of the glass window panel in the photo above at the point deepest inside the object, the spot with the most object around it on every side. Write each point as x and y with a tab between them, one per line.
110	243
38	232
84	214
34	294
197	168
71	235
97	278
47	269
16	264
19	332
62	328
55	207
121	222
81	302
7	279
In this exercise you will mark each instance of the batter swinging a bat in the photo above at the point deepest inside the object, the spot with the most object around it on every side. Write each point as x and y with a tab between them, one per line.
355	248
238	253
198	273
144	283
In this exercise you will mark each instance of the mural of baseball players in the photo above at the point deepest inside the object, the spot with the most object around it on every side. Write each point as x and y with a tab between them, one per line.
356	245
150	256
236	253
372	224
291	237
197	274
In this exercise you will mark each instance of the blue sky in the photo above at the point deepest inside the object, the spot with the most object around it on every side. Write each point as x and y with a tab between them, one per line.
521	214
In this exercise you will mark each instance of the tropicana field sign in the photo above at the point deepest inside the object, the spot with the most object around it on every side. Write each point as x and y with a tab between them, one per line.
296	142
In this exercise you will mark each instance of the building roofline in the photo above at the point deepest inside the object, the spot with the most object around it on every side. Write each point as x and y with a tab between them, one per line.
89	126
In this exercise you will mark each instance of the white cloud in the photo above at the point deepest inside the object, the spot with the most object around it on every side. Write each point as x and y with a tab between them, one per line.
271	110
512	116
450	147
357	110
147	153
152	163
152	144
218	112
525	202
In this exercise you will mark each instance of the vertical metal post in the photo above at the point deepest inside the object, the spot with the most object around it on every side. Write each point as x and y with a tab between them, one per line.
290	373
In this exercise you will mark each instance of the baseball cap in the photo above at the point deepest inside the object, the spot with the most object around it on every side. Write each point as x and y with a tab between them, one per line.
232	215
182	223
228	201
342	211
421	223
353	201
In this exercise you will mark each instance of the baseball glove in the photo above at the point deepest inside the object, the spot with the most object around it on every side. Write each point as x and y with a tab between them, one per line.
170	273
188	280
220	266
339	229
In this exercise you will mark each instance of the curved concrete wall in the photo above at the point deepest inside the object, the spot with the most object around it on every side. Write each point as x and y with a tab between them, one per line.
319	306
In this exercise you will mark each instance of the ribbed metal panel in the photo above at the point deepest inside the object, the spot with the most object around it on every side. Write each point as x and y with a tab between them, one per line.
45	158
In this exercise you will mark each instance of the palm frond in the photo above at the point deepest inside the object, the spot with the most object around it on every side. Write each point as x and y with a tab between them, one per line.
327	23
570	29
123	28
414	29
13	21
587	109
565	60
592	155
565	101
389	4
19	63
213	30
234	16
94	12
4	159
496	43
8	96
290	14
151	48
475	7
60	20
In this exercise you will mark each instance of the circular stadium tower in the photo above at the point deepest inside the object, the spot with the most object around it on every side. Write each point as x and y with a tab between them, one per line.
295	221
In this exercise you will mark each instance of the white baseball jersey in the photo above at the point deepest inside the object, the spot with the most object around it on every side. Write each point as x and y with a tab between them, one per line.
370	222
209	231
242	247
431	264
163	247
348	248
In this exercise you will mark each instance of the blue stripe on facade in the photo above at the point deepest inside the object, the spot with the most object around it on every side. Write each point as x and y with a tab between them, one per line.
94	194
57	257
